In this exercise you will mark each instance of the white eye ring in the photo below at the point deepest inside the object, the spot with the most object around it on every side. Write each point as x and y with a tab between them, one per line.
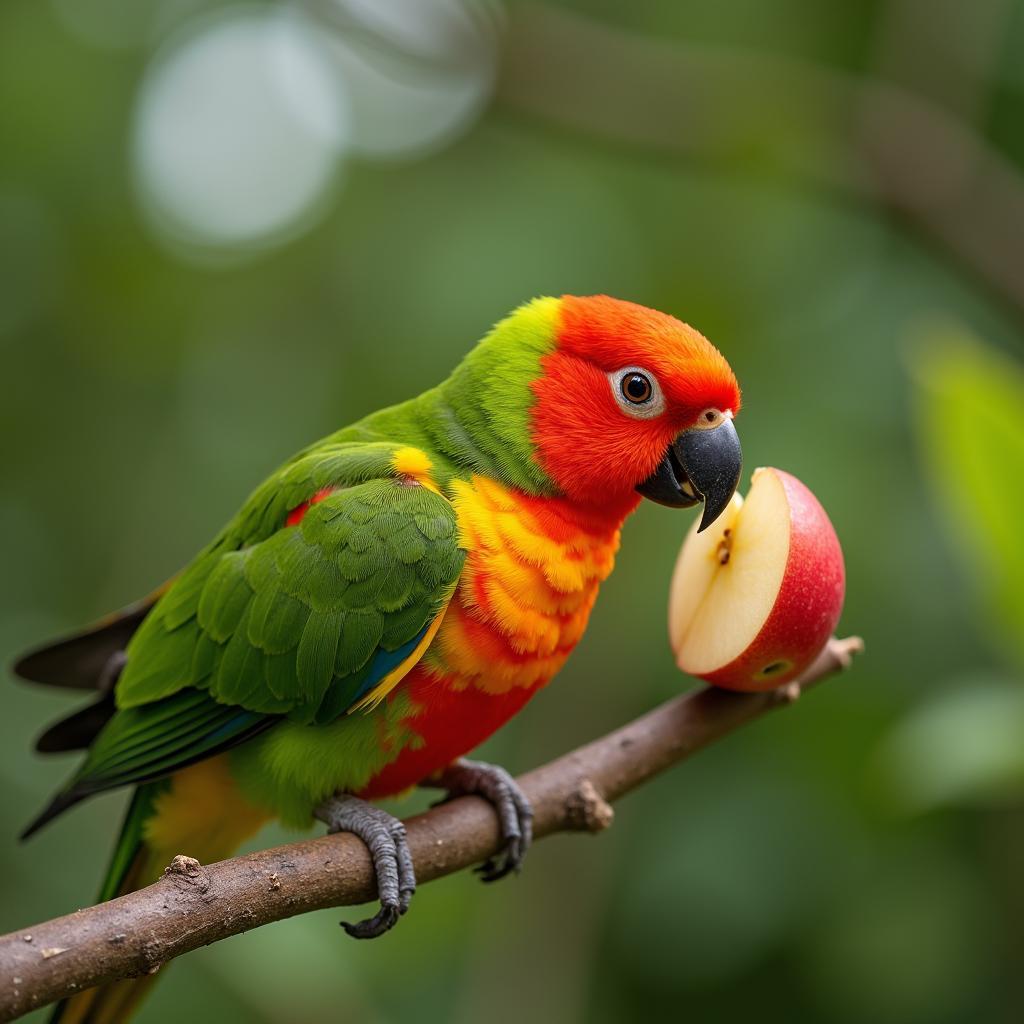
711	418
637	392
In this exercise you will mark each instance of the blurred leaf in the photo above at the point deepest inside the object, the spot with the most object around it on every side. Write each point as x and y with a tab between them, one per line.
728	875
970	402
907	945
964	745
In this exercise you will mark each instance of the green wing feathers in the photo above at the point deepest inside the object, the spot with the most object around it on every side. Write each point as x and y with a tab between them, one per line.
295	623
307	616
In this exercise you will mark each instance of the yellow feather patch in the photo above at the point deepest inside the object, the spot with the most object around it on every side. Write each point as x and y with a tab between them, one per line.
464	665
529	588
524	597
203	815
414	463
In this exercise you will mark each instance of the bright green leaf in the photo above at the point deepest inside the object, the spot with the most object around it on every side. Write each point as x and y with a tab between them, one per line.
970	406
965	745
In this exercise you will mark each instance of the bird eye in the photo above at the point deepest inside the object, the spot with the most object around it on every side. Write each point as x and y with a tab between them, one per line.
637	392
636	388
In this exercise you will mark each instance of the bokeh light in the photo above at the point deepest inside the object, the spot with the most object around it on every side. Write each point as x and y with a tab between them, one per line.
239	130
244	120
418	71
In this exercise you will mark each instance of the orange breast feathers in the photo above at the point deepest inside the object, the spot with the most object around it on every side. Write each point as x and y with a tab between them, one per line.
531	576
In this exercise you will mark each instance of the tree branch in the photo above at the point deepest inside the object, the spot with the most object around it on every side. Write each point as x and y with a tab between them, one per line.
723	108
192	905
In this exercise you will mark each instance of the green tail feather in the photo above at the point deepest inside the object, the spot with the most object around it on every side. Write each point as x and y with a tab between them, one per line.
139	811
114	1002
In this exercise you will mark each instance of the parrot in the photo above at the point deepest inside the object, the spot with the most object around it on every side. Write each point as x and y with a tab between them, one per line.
386	600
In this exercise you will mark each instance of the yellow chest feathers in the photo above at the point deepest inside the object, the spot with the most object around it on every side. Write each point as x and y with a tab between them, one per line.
531	577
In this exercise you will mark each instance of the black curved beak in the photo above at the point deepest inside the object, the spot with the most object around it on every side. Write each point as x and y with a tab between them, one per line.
700	465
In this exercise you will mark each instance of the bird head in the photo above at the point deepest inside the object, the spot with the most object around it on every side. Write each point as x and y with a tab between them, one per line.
606	399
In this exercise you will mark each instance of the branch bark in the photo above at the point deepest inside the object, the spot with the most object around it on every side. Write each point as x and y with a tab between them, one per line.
193	905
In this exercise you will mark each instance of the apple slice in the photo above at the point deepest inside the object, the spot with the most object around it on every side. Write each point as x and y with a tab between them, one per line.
756	596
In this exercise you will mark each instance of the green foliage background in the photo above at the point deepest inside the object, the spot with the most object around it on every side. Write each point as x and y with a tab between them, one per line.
857	858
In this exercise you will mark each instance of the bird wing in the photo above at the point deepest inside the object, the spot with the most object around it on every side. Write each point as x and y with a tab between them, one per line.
318	617
321	614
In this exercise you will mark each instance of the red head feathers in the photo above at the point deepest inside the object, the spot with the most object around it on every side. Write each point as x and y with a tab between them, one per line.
621	385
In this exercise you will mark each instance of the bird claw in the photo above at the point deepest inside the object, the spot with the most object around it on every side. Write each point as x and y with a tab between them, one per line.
515	815
384	836
384	920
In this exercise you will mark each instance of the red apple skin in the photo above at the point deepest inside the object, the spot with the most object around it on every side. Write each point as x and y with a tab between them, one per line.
807	606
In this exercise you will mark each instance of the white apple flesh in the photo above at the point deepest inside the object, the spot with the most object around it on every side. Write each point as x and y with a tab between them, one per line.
756	596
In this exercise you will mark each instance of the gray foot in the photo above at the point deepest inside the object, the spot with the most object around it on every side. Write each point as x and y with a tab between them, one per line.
384	836
515	815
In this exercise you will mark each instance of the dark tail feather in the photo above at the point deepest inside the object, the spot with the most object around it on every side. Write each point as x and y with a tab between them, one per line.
79	729
83	661
87	660
57	806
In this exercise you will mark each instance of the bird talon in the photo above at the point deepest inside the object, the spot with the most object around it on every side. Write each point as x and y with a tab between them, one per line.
373	927
493	873
384	836
515	815
487	870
